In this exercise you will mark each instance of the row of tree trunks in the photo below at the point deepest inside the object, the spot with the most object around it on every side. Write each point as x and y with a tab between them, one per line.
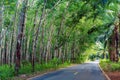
13	36
40	43
60	30
20	47
48	56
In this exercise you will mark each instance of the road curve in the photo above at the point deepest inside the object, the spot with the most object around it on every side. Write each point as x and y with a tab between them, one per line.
86	71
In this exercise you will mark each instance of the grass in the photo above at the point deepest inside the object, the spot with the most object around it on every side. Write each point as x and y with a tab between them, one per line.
107	65
7	72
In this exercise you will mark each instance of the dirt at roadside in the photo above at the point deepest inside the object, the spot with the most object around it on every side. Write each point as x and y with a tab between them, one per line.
114	75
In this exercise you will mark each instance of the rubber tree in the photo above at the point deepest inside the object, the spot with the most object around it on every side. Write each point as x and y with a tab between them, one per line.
0	28
20	35
119	31
35	41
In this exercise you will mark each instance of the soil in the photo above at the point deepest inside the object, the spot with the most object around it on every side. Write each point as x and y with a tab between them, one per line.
114	75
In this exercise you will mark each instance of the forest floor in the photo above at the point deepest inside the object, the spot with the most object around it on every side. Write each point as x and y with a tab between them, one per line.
114	75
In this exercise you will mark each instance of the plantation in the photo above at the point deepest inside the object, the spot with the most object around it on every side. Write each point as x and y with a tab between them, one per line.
40	35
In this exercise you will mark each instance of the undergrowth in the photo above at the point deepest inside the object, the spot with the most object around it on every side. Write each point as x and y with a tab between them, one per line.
107	65
7	72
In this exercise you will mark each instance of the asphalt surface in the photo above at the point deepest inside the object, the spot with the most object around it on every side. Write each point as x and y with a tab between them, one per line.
86	71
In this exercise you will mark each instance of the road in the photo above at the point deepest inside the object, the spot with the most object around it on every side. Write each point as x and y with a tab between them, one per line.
86	71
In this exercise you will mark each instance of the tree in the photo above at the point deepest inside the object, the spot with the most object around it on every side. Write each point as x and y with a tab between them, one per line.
20	35
113	45
36	36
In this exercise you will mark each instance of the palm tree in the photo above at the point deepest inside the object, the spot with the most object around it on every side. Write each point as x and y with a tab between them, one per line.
111	36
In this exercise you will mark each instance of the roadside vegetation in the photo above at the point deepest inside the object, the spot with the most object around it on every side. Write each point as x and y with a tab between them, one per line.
112	69
37	35
108	65
7	72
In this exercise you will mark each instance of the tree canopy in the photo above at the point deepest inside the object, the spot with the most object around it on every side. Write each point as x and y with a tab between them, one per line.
40	31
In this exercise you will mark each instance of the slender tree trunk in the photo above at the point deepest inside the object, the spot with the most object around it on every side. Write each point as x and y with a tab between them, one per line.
63	56
119	33
29	43
42	46
104	51
42	43
59	32
73	52
11	50
1	28
5	51
48	50
66	52
20	36
0	34
14	35
36	38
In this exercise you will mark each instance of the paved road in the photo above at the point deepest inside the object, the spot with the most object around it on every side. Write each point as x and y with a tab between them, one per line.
86	71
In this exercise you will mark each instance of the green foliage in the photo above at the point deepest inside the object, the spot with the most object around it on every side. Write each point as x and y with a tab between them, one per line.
55	61
115	66
6	72
107	65
81	58
25	69
53	64
92	57
64	23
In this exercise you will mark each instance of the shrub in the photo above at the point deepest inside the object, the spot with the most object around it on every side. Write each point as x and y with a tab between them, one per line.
25	69
6	72
107	65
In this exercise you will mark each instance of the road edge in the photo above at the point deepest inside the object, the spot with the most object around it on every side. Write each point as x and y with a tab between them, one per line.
50	72
104	73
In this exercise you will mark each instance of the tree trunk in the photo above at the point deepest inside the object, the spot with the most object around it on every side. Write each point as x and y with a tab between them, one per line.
20	36
113	45
1	28
116	31
5	51
119	33
36	37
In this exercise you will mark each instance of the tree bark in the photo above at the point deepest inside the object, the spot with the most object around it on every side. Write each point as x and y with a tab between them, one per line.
5	51
20	35
113	45
119	33
1	28
36	37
